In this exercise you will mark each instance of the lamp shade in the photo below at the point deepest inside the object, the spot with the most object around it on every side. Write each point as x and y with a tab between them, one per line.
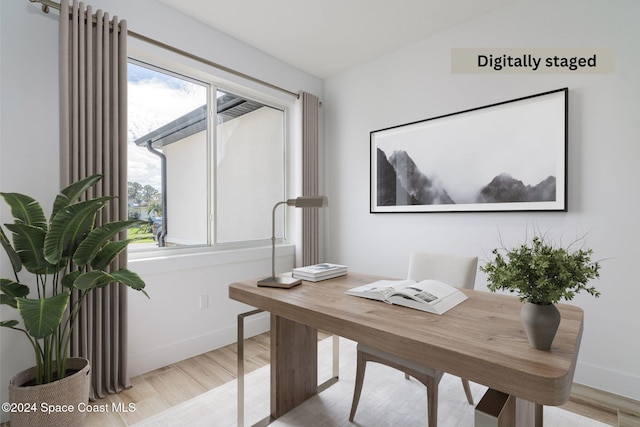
308	202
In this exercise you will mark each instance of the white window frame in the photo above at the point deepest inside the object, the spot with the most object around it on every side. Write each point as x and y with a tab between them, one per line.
166	62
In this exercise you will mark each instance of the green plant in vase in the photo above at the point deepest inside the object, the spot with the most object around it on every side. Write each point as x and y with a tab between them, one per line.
63	254
542	274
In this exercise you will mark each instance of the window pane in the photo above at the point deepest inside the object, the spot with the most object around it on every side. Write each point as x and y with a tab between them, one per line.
167	146
250	169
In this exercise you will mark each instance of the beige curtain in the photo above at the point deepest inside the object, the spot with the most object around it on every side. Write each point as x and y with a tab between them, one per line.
93	137
310	161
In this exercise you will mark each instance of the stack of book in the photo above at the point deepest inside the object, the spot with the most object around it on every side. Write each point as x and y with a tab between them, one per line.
318	272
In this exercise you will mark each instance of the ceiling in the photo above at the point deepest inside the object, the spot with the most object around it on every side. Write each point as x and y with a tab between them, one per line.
326	37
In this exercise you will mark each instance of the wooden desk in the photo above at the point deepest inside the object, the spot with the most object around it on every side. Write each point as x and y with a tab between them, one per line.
481	339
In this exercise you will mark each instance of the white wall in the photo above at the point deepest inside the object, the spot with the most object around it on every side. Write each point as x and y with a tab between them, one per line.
169	326
28	142
416	83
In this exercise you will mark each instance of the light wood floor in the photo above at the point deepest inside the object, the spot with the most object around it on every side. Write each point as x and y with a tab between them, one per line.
166	387
163	388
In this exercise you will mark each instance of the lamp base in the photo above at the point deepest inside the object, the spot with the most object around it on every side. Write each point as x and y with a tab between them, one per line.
279	282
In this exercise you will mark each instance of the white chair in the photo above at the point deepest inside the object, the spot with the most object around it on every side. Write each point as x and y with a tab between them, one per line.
455	270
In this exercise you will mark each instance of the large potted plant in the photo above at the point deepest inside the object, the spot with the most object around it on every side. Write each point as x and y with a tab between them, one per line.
542	274
63	254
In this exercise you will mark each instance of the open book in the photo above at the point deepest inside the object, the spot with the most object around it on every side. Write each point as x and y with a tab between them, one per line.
428	295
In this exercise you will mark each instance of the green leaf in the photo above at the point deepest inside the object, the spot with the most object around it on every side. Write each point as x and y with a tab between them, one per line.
131	279
9	323
70	225
108	253
12	290
68	280
42	316
25	210
99	237
97	279
93	279
72	193
16	263
28	242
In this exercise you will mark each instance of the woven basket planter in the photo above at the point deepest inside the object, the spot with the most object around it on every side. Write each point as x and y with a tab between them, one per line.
60	403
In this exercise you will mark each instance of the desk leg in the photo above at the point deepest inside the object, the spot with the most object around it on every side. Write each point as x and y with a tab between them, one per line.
294	367
539	415
528	413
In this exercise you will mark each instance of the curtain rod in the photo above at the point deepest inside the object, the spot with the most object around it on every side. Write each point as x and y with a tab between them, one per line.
46	4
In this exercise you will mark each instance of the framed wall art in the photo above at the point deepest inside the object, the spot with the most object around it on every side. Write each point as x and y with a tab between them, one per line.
509	156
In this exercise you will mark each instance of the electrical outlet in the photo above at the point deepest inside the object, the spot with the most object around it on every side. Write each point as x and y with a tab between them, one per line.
204	302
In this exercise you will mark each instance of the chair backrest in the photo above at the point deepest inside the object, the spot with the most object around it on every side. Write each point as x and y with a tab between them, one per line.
458	271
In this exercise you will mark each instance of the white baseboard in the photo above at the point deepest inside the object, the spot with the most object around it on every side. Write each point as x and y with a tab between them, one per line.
608	380
163	356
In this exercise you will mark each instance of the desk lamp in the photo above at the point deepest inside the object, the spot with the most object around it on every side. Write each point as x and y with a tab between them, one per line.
300	202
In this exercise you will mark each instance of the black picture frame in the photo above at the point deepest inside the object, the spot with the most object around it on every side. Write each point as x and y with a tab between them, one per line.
508	156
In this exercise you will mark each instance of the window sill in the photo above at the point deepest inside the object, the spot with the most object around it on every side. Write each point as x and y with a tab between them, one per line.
183	259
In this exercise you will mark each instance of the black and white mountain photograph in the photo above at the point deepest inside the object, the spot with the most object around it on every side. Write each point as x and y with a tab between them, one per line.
507	156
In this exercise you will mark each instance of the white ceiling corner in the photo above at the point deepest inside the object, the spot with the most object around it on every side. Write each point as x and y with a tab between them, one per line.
326	37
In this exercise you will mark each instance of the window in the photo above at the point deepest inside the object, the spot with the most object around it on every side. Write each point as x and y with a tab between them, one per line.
206	164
